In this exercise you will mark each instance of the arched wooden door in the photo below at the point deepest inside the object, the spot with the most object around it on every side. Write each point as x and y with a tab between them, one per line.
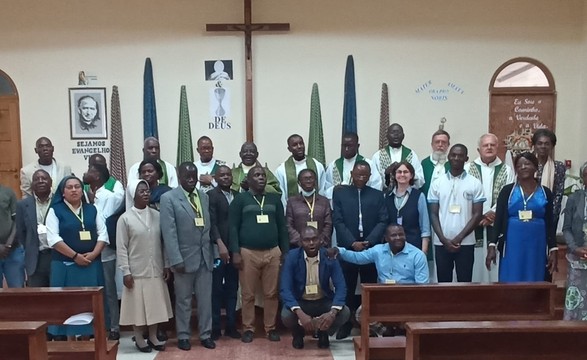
522	99
10	145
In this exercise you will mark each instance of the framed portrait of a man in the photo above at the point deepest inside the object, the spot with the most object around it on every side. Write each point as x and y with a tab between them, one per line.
87	113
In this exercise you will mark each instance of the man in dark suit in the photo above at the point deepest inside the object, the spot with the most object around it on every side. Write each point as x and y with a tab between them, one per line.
225	276
309	303
31	230
360	218
185	226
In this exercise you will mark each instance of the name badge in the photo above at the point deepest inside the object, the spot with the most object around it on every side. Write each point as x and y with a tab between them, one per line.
85	235
313	224
199	221
262	219
41	229
390	281
311	289
400	220
454	209
525	215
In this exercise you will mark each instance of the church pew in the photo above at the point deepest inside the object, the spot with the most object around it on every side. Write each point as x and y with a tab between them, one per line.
496	340
23	340
446	302
55	305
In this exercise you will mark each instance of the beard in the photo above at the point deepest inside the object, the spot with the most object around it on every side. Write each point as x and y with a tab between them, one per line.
439	156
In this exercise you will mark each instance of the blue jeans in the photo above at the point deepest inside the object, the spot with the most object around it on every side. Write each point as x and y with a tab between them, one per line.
12	268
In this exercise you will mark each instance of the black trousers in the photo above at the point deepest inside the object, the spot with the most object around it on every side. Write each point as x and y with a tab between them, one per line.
462	259
350	271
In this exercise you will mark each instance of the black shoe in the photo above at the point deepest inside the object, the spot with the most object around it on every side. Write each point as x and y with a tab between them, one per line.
272	335
232	333
323	341
297	342
344	331
215	335
248	336
59	338
156	347
208	343
162	335
146	349
184	344
114	335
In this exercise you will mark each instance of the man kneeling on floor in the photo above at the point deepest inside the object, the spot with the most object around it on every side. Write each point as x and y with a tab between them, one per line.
397	262
309	303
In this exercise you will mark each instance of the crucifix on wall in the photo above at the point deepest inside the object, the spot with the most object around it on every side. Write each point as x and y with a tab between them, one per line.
248	27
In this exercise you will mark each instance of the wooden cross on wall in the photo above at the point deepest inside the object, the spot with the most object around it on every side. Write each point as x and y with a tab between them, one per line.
248	27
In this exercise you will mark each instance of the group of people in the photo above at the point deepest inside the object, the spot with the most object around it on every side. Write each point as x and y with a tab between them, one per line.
303	235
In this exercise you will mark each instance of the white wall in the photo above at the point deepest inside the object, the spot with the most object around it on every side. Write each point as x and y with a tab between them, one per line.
44	44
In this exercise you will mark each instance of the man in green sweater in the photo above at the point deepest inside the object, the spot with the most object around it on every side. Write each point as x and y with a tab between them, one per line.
258	240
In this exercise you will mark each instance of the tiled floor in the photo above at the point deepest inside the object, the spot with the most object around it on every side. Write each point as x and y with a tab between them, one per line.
339	350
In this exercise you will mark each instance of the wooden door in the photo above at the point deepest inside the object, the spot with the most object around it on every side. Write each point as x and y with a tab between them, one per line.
522	100
10	145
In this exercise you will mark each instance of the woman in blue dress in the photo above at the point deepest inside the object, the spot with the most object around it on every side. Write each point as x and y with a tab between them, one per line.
524	227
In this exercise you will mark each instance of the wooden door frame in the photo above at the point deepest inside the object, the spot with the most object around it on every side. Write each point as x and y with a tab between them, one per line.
16	100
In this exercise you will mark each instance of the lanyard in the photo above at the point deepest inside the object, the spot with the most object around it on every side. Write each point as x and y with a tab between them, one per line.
311	207
404	200
524	198
195	203
80	218
260	203
453	193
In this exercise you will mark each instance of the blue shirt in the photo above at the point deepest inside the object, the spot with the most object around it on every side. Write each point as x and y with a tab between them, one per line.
408	266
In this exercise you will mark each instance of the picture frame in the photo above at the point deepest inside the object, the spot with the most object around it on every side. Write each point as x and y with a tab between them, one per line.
88	118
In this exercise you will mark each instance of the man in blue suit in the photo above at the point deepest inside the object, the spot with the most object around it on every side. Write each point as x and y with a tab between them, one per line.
309	302
360	217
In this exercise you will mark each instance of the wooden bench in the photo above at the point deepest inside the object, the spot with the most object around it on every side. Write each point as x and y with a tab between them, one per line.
55	305
23	340
496	340
446	302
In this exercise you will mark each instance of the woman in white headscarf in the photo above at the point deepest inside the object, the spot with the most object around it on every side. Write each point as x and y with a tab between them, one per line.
139	253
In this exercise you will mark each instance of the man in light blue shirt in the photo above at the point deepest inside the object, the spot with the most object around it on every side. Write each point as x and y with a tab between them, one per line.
397	262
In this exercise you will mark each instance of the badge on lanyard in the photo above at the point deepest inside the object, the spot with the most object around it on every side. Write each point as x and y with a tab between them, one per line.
85	235
400	220
455	209
585	228
199	221
390	281
262	219
311	289
313	224
525	215
41	229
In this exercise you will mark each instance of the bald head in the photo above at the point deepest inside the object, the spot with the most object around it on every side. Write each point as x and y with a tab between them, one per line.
151	149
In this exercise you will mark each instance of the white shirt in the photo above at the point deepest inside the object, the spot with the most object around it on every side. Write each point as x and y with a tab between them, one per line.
206	169
106	203
52	223
172	181
487	174
462	191
347	167
438	169
42	210
396	156
300	165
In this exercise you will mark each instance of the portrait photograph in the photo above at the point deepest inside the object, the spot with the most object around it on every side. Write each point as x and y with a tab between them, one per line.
87	113
217	70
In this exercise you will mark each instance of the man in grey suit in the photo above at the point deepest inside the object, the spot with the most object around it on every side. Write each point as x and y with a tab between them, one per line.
185	226
31	231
